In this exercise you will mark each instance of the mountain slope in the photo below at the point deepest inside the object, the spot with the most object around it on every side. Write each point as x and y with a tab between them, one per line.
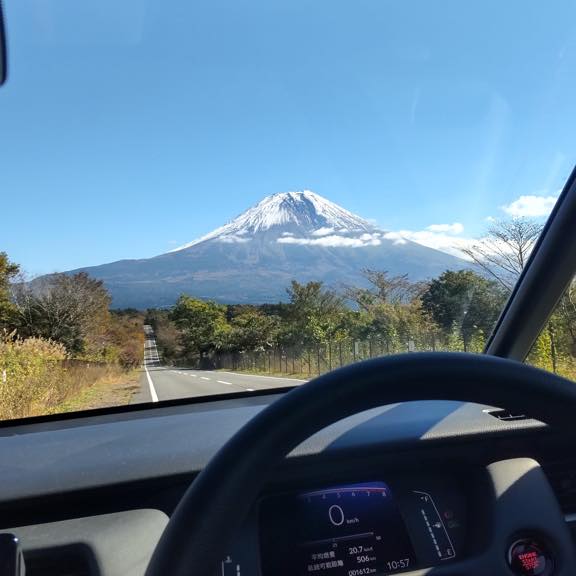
253	258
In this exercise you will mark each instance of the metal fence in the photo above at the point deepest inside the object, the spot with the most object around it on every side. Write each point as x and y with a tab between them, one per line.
313	360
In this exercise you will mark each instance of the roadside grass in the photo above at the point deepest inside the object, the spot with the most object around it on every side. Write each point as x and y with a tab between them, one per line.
37	378
114	389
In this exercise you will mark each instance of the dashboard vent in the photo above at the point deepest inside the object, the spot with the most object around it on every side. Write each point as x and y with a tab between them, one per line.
506	415
562	477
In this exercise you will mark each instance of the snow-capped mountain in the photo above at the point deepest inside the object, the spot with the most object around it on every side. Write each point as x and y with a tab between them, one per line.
287	213
252	259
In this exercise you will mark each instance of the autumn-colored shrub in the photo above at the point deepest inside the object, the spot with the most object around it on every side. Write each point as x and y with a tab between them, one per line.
36	376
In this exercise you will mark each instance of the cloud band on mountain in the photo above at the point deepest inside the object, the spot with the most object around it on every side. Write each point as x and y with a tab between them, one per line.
334	241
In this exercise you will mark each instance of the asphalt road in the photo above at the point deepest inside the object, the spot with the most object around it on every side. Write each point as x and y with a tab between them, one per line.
168	383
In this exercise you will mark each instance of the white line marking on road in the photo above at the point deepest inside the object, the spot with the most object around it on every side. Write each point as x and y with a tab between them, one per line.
153	394
249	389
260	376
224	382
151	385
193	375
204	378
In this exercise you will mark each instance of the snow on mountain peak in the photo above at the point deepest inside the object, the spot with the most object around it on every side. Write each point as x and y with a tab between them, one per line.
306	209
305	213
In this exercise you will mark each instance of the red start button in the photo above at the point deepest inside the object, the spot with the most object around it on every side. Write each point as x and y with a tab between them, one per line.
529	557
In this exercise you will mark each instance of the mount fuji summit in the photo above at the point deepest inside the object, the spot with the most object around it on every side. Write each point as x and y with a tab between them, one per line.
252	259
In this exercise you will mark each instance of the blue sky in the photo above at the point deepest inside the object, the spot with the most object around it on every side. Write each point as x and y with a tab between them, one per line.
127	128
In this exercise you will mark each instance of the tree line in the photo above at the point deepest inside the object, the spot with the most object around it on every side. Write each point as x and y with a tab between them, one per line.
455	311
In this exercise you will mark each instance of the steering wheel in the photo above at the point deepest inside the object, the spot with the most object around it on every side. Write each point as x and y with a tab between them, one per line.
219	499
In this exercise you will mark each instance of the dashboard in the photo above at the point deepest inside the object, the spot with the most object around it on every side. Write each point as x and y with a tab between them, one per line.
393	490
361	528
353	529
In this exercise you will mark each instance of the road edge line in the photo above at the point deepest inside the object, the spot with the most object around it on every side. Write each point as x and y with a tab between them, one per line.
151	385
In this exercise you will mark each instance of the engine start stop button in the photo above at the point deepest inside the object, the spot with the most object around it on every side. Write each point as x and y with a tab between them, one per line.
529	557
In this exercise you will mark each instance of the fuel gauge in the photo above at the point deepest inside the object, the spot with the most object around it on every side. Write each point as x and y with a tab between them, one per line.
229	567
433	528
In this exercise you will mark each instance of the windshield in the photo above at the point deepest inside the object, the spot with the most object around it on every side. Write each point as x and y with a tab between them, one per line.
225	197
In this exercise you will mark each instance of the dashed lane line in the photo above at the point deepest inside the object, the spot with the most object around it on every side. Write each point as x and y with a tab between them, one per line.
262	376
234	384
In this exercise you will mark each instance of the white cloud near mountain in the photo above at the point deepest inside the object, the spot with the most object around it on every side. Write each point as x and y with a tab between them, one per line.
323	231
455	228
444	237
335	241
449	238
444	241
233	239
530	206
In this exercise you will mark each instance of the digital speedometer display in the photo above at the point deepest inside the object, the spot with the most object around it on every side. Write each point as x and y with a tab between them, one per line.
350	530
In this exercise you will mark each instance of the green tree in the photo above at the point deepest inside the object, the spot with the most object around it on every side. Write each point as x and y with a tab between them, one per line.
392	311
383	289
466	301
252	330
540	354
316	315
563	321
8	271
202	324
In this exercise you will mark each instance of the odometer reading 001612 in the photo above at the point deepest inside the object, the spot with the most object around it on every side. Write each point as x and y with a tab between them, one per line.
351	530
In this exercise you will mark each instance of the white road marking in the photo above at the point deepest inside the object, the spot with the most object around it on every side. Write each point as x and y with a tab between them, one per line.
148	346
249	389
260	376
224	382
204	378
193	375
151	386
